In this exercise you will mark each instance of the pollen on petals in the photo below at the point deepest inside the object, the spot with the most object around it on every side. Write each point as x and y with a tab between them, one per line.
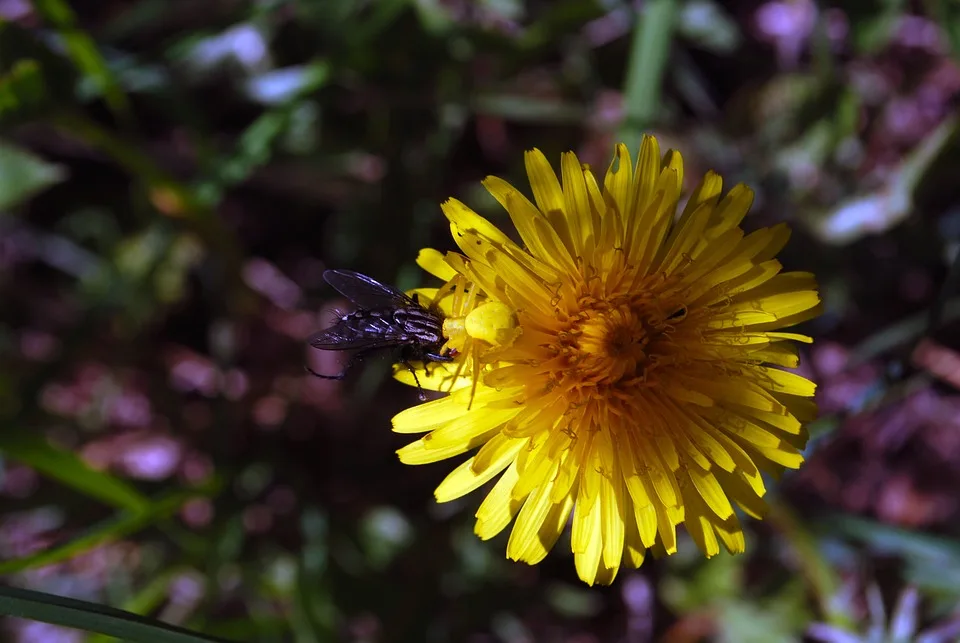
622	370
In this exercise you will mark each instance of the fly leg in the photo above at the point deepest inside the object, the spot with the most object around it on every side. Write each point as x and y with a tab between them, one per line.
446	356
413	371
356	357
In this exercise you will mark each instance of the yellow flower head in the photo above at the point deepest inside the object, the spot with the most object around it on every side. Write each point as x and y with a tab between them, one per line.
622	366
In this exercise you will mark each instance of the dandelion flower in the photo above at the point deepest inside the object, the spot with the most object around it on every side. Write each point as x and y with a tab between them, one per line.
621	370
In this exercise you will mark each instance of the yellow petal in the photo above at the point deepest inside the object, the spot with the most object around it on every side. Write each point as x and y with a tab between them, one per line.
468	477
499	507
543	182
432	261
647	172
660	478
785	382
731	210
576	201
634	548
618	182
522	213
535	464
587	540
706	193
419	453
711	492
672	160
524	543
426	417
667	521
553	525
612	519
731	535
658	219
555	248
464	429
466	219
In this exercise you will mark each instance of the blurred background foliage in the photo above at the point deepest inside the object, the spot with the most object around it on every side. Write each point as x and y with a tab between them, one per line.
176	175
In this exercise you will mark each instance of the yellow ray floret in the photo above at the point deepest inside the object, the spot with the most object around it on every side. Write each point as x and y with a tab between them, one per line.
621	370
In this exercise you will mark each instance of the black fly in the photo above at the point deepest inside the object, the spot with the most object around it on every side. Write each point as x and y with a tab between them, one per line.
384	318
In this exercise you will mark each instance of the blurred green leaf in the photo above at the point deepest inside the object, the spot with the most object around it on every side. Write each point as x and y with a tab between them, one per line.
229	543
314	610
262	629
528	108
124	524
166	194
688	590
434	16
33	78
887	207
32	449
947	16
901	333
510	627
708	25
23	175
692	85
873	26
133	159
21	89
571	601
255	147
717	589
649	56
384	533
932	562
819	575
560	19
83	52
170	279
780	619
379	18
136	18
281	86
82	615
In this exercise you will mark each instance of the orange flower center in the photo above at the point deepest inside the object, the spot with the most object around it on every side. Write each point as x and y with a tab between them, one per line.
609	344
618	341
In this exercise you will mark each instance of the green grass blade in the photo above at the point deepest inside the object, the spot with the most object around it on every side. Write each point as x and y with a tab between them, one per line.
33	450
92	617
649	54
107	531
147	599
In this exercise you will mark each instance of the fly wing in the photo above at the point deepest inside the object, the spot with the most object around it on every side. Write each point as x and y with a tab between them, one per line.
366	292
344	336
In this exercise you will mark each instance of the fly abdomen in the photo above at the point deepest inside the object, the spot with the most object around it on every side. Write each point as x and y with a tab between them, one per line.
425	328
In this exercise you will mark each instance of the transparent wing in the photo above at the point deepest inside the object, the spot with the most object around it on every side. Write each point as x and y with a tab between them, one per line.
366	292
343	336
